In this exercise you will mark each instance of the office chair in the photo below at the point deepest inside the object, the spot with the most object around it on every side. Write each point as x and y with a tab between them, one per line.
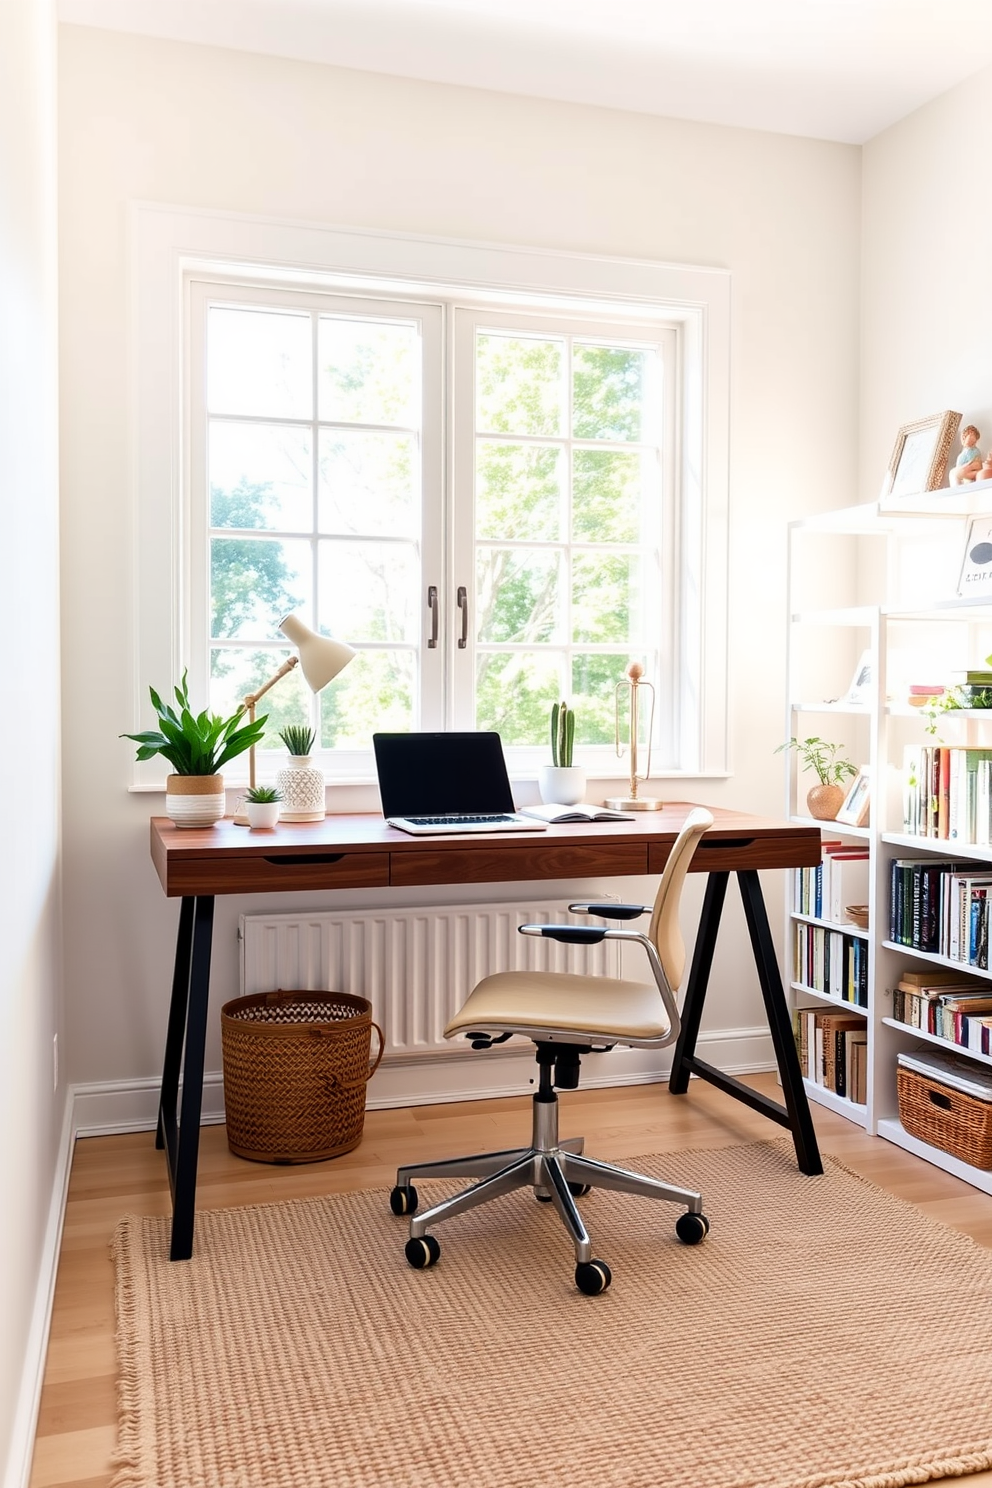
568	1015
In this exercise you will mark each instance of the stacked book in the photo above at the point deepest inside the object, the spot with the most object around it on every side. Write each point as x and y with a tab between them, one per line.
941	907
839	879
833	1051
952	1007
831	962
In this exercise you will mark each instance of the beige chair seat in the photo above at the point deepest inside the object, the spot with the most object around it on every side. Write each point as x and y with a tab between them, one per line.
586	1009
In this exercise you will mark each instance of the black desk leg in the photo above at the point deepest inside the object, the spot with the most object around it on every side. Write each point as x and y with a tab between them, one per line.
783	1041
795	1113
168	1100
187	1027
699	977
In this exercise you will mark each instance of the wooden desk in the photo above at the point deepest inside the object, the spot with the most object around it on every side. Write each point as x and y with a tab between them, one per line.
349	852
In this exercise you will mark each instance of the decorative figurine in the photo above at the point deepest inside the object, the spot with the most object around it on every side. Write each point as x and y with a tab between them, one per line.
969	461
633	684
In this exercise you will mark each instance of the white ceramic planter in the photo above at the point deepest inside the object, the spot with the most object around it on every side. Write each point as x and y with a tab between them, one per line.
302	790
262	815
194	800
564	785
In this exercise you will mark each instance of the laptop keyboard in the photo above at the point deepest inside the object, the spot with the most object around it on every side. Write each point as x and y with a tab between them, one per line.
457	821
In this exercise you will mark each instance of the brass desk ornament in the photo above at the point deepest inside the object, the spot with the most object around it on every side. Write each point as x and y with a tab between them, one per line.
633	683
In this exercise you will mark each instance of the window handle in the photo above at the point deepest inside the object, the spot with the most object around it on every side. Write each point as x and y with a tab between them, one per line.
432	606
462	598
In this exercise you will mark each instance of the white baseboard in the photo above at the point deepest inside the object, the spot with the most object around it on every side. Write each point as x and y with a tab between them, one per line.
25	1425
132	1105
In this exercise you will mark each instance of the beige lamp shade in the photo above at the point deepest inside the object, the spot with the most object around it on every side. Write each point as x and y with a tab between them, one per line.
321	659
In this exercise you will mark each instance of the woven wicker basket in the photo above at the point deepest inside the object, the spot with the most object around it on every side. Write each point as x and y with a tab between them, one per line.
949	1119
295	1069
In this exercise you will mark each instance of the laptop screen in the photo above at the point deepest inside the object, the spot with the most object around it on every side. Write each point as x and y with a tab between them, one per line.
441	774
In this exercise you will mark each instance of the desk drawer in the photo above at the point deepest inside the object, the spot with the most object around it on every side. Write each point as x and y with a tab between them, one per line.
262	873
721	853
514	864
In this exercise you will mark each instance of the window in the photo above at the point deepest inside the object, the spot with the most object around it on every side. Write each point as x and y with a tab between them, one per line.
500	477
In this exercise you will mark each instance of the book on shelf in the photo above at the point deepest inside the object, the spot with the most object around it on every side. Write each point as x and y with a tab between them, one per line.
831	962
949	1069
556	812
947	793
821	1040
839	879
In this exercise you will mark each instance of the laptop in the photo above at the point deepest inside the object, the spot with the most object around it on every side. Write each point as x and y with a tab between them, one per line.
440	783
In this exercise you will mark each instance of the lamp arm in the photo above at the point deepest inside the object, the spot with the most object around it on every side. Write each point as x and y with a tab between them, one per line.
251	698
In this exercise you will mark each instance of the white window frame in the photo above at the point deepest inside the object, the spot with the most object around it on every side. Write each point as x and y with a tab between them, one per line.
168	245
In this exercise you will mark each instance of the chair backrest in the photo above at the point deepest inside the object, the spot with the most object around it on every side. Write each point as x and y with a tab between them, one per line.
665	930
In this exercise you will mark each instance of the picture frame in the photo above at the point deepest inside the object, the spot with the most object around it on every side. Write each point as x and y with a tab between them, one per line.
920	456
858	693
975	579
856	805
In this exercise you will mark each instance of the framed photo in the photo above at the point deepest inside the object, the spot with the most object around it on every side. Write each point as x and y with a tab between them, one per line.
857	802
976	564
859	692
919	460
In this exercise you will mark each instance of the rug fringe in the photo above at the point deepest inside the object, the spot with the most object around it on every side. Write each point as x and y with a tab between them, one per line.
125	1459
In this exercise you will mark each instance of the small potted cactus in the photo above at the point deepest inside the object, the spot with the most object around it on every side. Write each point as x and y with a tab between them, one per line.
561	783
262	807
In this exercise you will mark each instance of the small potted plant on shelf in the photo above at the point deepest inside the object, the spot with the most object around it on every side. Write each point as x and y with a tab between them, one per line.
561	782
300	783
197	746
821	759
262	807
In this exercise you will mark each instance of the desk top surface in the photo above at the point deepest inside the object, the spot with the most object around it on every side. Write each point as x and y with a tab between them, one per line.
362	851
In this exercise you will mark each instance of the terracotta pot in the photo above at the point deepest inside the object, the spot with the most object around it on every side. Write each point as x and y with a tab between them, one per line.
194	800
824	801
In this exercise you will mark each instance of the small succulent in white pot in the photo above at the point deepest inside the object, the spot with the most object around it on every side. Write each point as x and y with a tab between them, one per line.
262	807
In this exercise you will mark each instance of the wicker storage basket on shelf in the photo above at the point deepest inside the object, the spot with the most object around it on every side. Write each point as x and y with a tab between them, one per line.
295	1069
950	1119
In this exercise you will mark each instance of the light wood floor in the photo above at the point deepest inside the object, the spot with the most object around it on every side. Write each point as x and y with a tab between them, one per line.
112	1176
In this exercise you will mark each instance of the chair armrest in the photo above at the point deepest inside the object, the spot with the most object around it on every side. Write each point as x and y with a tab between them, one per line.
612	911
570	934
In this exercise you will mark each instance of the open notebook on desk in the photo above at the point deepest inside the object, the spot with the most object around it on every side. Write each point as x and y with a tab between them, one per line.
445	782
580	813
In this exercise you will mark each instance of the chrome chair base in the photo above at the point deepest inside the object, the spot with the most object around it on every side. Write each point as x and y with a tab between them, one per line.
555	1169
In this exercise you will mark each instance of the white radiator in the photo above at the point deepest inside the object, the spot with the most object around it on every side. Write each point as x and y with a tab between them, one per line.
416	966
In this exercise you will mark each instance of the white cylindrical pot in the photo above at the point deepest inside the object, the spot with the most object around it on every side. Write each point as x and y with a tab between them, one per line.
262	815
562	785
194	800
302	789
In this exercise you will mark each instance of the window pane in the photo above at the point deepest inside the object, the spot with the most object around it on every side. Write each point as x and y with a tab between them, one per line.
615	393
608	492
368	591
369	483
593	696
518	490
520	387
605	590
259	362
235	672
514	694
518	595
375	692
260	476
369	372
255	583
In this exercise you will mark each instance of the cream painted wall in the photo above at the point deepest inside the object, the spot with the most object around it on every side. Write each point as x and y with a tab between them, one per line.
30	1112
200	127
927	287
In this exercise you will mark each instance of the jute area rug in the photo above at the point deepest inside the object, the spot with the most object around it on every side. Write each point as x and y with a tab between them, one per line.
824	1334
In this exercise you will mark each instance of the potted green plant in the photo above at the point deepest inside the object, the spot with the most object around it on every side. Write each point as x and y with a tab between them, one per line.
262	807
197	746
562	783
824	761
301	784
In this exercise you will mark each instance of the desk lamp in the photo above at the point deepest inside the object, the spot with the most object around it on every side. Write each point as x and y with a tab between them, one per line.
633	682
321	660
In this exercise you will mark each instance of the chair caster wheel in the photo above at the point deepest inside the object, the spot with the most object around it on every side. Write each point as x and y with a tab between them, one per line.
692	1228
423	1252
579	1190
592	1277
542	1196
403	1200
